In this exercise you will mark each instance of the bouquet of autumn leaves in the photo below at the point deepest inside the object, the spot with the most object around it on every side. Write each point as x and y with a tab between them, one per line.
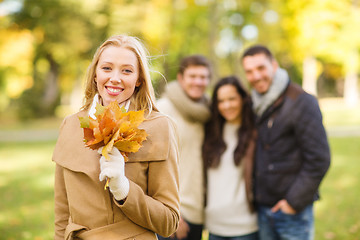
114	127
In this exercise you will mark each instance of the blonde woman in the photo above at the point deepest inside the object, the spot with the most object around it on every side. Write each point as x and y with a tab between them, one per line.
142	198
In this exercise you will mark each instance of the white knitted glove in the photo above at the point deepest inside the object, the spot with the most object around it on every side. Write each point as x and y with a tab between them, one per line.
114	169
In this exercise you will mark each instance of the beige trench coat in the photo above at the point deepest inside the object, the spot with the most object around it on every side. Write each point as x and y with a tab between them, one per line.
84	210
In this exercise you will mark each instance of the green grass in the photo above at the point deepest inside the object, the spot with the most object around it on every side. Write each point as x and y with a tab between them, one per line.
11	123
26	186
337	213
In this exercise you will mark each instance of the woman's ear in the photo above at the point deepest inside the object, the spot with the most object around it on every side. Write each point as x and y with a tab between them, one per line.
138	83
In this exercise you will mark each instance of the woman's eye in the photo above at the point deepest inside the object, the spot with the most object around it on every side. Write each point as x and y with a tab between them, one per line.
106	68
128	70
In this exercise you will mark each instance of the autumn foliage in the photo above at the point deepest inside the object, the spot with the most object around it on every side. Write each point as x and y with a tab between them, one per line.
114	126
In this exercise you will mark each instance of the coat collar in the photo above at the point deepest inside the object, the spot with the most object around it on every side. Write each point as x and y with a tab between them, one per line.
70	151
272	108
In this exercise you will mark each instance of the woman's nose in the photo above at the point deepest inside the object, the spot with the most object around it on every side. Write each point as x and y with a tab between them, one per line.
115	78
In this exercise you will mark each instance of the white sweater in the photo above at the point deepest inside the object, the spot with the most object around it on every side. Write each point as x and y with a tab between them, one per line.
191	171
227	212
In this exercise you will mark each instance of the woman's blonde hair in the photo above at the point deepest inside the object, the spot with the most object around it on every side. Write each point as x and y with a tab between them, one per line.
143	97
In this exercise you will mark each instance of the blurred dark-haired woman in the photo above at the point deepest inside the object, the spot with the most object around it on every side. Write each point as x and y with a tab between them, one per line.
228	151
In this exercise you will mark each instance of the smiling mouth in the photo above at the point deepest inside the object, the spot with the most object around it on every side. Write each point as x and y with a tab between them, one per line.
113	90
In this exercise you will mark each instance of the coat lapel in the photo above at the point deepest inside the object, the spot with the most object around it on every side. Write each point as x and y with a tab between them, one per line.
70	151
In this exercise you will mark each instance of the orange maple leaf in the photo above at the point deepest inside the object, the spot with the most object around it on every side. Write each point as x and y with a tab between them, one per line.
113	126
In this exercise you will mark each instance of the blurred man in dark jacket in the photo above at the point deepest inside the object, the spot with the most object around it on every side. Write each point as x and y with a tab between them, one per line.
292	153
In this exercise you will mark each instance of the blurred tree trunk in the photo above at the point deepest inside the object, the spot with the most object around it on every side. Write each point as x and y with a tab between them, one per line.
160	87
213	33
351	91
309	75
51	88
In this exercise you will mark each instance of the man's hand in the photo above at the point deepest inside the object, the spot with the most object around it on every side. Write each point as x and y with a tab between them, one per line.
284	206
182	230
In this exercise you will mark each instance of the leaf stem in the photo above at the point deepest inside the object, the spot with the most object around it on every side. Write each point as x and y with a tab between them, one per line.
107	183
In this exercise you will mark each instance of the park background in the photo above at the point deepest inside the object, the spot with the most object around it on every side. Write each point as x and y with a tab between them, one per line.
47	45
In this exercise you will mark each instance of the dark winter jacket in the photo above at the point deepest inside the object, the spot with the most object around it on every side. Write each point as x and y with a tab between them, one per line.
292	154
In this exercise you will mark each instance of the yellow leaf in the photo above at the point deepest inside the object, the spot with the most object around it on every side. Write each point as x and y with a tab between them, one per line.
99	109
108	147
136	117
84	122
114	126
127	146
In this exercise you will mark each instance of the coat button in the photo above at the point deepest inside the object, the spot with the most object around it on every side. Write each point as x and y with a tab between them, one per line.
271	167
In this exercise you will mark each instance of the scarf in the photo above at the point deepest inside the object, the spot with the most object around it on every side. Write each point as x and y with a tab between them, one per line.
97	99
261	102
194	111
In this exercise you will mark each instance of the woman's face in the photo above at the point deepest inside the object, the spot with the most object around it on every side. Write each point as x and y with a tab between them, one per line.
229	103
117	74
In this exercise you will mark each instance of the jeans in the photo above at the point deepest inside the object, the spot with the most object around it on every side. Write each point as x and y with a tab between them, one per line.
281	226
195	233
251	236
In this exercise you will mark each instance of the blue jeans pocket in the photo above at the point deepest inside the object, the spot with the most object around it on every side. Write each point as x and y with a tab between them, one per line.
279	225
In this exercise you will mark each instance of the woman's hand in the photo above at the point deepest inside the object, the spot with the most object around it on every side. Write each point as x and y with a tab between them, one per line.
114	169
